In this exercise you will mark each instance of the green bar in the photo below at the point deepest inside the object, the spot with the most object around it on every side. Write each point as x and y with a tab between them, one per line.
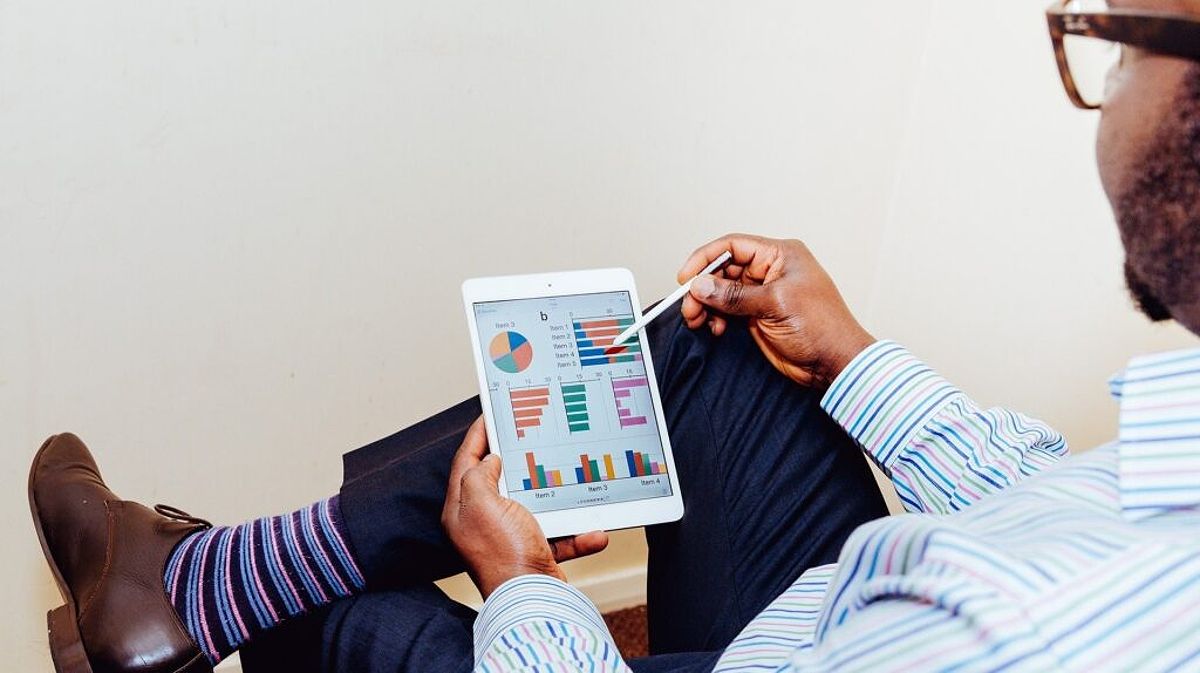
579	427
542	483
573	398
576	418
574	388
595	470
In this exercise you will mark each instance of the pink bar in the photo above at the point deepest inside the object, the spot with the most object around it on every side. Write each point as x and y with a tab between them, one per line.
628	383
624	412
636	420
622	393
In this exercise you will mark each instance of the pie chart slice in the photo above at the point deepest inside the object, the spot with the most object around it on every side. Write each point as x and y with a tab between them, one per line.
511	352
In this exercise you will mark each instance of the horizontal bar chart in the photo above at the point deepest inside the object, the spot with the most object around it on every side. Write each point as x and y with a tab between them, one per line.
594	338
623	389
575	405
528	405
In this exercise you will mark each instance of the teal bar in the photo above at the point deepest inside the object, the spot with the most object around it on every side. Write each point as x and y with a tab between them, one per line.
595	470
573	398
577	418
574	388
645	463
579	427
542	483
576	408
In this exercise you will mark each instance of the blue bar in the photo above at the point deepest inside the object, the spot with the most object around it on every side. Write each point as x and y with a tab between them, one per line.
587	362
590	352
529	487
579	476
629	460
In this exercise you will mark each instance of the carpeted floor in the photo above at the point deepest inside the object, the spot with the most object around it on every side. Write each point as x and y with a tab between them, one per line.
628	628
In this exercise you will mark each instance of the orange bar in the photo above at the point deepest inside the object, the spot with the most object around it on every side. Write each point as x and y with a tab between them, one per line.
529	392
587	469
532	465
556	478
531	402
608	322
608	466
528	413
528	422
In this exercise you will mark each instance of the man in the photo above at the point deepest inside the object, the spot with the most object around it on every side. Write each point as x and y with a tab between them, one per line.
1014	557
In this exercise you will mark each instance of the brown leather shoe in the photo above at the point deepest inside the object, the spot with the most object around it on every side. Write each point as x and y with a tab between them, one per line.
108	557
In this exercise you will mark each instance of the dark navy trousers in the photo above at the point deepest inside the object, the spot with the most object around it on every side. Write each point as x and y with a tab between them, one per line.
771	487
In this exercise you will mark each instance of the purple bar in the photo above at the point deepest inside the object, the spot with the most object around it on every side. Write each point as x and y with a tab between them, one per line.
628	383
636	420
624	412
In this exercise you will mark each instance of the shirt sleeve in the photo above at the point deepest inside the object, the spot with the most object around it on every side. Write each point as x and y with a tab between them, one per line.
941	451
538	623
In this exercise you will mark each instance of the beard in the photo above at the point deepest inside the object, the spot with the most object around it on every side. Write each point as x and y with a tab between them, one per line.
1159	214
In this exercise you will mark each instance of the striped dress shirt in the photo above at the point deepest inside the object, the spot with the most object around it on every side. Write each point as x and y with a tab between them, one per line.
1011	556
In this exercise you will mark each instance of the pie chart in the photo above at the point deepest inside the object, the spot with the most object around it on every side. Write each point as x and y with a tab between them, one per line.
511	352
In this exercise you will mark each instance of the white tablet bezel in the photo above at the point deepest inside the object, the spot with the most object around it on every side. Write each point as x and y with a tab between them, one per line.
535	286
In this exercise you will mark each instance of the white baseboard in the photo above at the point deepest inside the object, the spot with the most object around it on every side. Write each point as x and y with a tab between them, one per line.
623	588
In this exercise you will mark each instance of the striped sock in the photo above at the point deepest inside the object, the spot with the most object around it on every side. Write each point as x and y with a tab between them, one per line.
230	583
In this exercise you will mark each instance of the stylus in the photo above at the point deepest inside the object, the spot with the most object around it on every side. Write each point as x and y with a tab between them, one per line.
663	305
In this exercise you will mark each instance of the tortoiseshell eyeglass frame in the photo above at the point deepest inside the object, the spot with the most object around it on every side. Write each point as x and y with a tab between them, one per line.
1170	34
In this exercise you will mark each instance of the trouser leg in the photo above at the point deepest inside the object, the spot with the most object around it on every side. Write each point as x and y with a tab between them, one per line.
771	487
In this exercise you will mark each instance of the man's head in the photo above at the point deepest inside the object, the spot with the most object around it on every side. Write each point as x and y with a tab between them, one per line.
1149	154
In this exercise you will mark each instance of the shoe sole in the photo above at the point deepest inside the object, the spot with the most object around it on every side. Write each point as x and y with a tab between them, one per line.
66	645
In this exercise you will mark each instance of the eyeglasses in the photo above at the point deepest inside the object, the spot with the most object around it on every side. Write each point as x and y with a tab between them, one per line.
1090	41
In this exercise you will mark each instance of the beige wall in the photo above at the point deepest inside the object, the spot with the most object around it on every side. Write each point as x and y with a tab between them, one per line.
231	234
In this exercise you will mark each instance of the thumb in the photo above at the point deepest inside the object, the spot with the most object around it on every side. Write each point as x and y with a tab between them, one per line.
483	479
731	297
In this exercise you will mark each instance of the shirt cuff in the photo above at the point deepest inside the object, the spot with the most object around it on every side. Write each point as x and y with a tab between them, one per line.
884	397
536	598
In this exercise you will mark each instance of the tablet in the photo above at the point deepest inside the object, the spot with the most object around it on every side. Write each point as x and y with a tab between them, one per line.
578	425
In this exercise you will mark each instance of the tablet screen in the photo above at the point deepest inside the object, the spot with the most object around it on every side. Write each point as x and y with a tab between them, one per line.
574	417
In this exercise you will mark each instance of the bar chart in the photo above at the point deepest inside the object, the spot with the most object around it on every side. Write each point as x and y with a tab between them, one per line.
629	404
539	476
594	338
575	404
528	406
592	470
640	464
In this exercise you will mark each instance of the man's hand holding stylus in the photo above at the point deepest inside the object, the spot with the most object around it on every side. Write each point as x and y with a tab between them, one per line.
795	312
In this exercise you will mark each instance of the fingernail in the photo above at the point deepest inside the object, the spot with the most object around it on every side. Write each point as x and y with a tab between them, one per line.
704	286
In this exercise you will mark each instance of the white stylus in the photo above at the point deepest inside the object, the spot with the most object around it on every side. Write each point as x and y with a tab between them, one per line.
663	305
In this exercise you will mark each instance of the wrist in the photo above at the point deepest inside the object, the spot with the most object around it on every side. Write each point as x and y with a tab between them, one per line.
849	346
487	582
